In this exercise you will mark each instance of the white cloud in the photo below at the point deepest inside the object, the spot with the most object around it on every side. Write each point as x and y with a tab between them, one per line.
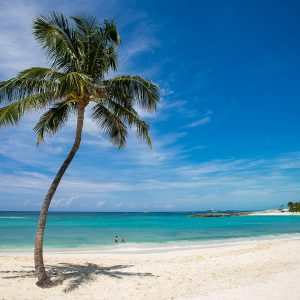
221	183
101	203
18	49
63	202
199	122
141	40
27	182
205	119
169	206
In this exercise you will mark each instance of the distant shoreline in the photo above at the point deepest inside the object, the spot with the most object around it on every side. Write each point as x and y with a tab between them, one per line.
274	212
268	212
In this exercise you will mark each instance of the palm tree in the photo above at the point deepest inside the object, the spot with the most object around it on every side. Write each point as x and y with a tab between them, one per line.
80	52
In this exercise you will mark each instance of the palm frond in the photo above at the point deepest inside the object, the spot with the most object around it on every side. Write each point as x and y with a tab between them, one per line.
54	119
85	25
110	32
21	87
58	39
41	73
11	114
109	123
130	116
111	58
74	82
102	49
142	92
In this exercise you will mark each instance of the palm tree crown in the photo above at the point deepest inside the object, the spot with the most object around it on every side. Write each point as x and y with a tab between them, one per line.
80	53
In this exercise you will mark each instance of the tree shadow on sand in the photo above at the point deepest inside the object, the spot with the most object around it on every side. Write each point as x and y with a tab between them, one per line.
77	274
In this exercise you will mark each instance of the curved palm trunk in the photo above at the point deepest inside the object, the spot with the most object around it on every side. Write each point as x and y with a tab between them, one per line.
43	279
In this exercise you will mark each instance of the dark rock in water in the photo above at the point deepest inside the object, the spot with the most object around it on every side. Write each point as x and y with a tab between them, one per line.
217	215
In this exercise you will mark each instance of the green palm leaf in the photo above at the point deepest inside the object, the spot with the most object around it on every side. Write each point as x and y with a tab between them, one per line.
11	114
111	124
130	116
142	92
53	120
58	39
20	87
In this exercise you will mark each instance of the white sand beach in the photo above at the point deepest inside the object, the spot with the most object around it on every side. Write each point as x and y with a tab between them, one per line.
275	212
266	269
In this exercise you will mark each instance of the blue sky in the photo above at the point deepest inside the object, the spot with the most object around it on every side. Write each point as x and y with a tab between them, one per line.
225	136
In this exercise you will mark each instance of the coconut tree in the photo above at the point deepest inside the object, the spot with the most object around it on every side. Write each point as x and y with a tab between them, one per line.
81	52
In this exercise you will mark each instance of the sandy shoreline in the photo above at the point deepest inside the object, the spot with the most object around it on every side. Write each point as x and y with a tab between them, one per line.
268	212
257	270
274	212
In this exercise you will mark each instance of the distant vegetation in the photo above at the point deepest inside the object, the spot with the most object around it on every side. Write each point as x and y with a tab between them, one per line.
294	206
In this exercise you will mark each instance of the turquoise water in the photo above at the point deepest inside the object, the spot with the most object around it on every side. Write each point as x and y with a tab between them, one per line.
97	230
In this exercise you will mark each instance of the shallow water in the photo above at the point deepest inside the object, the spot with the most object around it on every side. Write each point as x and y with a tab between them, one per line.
68	230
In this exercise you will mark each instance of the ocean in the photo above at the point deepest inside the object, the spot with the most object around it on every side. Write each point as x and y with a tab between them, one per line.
96	231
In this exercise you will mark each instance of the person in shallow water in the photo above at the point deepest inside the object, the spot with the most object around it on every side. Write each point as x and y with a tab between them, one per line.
116	239
123	240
